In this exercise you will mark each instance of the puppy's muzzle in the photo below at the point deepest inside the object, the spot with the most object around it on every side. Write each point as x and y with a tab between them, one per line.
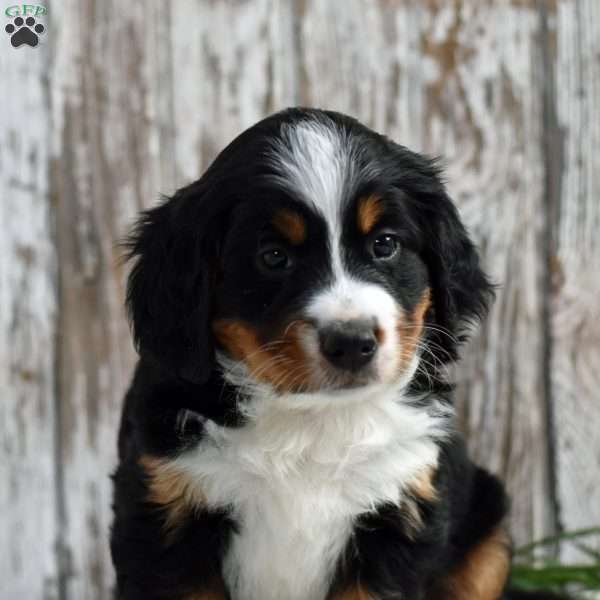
348	345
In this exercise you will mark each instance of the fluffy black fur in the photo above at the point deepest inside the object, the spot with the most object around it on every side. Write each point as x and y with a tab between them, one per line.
188	266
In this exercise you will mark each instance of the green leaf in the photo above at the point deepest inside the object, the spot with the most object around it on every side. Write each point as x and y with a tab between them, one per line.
529	574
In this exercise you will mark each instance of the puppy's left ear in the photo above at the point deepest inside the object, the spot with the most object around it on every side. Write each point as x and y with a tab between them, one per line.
461	290
169	287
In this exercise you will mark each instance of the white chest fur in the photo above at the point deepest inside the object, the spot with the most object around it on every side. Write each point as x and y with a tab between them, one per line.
296	476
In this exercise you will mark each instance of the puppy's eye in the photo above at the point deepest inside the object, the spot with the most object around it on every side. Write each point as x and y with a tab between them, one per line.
384	246
274	258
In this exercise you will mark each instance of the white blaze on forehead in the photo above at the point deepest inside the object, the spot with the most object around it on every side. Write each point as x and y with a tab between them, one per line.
318	162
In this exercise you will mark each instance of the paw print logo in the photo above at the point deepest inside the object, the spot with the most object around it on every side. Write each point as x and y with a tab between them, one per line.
24	31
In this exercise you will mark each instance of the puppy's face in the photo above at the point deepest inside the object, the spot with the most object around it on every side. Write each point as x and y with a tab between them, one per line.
308	302
323	286
314	255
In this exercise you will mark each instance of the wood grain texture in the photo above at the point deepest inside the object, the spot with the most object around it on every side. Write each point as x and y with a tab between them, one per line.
236	68
124	104
461	80
28	310
575	371
139	109
110	158
484	116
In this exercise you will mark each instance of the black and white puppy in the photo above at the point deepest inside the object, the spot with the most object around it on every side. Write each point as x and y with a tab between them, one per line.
289	433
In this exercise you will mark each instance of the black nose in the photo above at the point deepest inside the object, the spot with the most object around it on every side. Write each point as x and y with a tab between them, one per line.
349	344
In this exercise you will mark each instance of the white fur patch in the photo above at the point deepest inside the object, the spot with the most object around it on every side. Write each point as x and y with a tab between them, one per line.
349	299
300	471
319	162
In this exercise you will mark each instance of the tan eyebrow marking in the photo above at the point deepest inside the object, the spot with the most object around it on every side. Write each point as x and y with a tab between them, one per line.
291	225
370	210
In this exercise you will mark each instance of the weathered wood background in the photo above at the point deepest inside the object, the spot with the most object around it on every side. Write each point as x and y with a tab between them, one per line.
123	101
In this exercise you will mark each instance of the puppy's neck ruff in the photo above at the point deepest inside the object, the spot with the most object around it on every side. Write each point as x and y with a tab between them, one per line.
300	470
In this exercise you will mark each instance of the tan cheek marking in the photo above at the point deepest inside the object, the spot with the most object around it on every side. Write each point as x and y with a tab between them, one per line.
281	363
291	225
172	491
483	573
240	340
355	593
410	329
369	212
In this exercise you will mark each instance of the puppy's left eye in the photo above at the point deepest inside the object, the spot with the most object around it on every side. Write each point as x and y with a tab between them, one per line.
384	246
274	258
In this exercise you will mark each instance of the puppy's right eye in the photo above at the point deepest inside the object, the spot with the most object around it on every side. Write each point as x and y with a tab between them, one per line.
384	246
274	258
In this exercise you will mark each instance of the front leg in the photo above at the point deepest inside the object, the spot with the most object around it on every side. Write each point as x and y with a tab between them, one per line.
166	543
481	574
391	552
444	542
480	548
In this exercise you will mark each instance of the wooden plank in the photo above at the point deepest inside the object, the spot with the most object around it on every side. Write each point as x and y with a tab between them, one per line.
143	99
113	142
28	566
241	55
575	369
462	80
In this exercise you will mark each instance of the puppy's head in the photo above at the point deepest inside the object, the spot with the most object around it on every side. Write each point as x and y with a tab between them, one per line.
314	254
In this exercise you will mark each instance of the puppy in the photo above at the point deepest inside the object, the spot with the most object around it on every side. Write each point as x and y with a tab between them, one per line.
289	432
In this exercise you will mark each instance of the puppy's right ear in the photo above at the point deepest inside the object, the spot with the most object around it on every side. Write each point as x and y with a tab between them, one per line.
168	292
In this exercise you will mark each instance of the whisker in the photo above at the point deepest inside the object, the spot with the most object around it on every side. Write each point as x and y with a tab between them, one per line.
442	330
289	375
265	347
290	325
437	329
272	362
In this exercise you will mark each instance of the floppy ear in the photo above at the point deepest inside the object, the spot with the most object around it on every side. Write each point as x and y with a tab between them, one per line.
461	290
169	288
